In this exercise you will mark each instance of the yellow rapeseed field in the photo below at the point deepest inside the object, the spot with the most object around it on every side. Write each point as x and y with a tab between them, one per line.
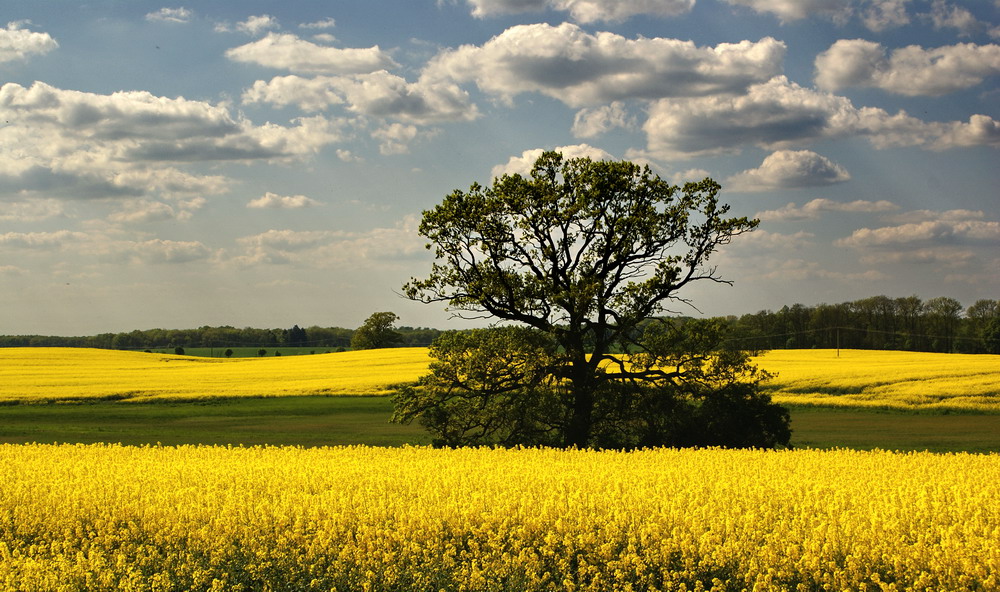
858	378
885	379
66	374
108	517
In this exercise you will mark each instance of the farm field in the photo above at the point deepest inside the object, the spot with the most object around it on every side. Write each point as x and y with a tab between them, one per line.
884	379
355	503
360	518
855	379
139	398
330	421
77	374
297	421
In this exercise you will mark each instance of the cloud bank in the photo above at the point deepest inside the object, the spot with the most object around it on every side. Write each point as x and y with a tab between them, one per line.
813	209
910	70
780	113
76	145
285	51
583	69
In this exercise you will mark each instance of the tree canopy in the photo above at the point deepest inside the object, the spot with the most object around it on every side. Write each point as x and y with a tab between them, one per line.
585	255
379	330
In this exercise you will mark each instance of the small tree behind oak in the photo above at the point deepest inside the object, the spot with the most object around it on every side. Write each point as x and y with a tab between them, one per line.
379	330
585	256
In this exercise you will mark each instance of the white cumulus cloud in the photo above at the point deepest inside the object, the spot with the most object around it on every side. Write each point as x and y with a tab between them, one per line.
875	15
78	145
885	14
327	23
395	138
171	15
326	249
592	122
780	114
929	232
793	10
910	70
255	25
585	11
41	240
946	15
286	202
751	245
522	165
918	216
790	169
813	209
378	94
289	52
17	43
31	211
143	212
160	251
583	69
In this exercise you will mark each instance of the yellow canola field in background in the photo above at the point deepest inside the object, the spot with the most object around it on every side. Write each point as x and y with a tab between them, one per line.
885	379
108	517
858	378
66	374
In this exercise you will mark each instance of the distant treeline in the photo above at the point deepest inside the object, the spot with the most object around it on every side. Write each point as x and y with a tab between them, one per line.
879	322
318	337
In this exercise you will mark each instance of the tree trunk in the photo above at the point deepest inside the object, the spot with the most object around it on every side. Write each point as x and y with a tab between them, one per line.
582	419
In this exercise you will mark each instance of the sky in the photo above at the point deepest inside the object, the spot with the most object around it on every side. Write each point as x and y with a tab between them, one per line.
261	163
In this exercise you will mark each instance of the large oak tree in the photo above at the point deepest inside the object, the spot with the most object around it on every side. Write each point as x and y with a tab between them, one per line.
588	255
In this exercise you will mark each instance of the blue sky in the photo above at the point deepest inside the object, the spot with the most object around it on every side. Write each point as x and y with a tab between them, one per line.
265	164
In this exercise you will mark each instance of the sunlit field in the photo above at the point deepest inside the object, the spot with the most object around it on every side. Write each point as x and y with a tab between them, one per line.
858	378
356	518
67	374
885	379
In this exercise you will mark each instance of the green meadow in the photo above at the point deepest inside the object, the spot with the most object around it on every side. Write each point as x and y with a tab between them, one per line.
332	421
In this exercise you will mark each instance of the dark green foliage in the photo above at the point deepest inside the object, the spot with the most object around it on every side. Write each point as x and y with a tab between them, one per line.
583	254
736	415
296	336
179	351
378	331
499	387
217	337
991	335
487	386
878	322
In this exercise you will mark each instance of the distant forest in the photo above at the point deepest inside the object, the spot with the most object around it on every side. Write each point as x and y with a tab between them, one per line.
318	337
879	322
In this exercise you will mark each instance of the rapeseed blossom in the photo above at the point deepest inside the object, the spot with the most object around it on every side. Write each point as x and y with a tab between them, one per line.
884	379
110	517
53	374
854	378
